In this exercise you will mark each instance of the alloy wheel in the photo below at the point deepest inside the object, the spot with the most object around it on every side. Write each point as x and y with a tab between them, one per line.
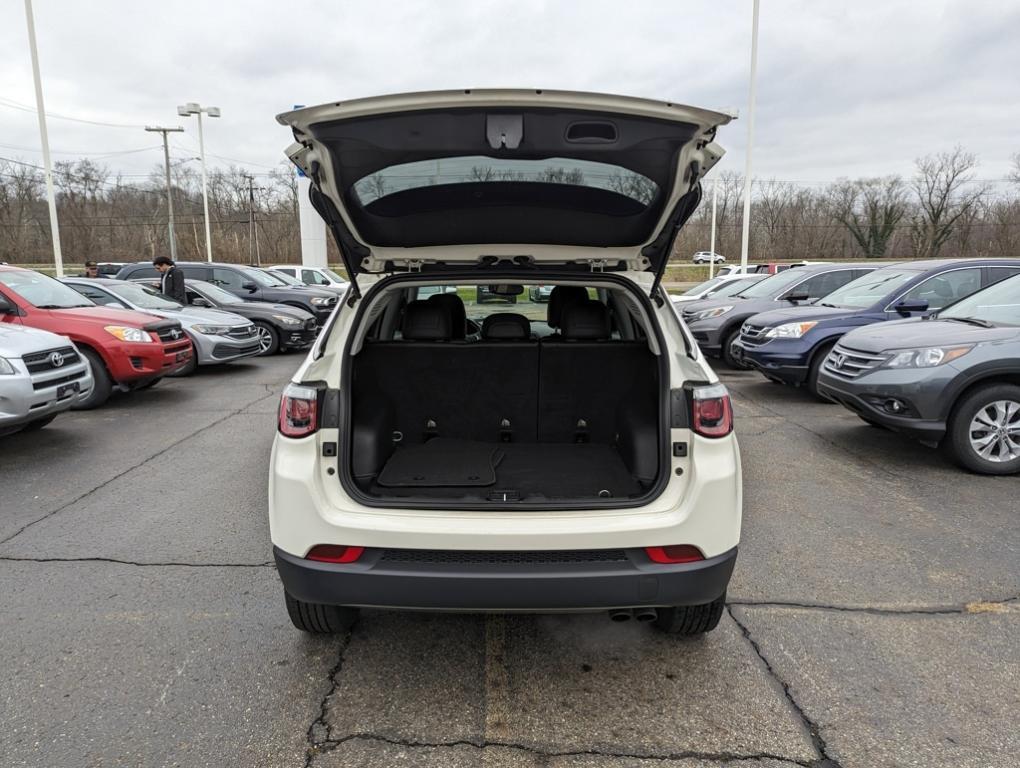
265	339
995	431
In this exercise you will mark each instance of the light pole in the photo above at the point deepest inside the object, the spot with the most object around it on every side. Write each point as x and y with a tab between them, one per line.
51	197
186	110
745	231
169	186
711	248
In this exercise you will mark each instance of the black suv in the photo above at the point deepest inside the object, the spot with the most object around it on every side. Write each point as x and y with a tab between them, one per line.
248	283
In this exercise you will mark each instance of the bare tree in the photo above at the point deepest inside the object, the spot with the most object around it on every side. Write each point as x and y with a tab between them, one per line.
945	195
871	210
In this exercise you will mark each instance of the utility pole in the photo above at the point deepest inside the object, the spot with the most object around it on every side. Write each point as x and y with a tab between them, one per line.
169	186
254	256
745	233
711	248
51	196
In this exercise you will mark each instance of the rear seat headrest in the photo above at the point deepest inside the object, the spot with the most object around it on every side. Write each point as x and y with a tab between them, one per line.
587	321
506	326
454	305
426	321
563	296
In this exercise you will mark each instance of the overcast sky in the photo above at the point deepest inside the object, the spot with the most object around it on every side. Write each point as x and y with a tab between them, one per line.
845	89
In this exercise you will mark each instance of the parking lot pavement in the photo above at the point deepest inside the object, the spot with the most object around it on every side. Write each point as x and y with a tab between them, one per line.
873	617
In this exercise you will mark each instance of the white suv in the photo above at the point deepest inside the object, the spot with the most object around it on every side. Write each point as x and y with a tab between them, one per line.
574	454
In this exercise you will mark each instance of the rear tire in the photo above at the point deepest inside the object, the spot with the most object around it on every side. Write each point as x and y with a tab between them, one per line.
102	385
32	426
691	620
967	430
319	619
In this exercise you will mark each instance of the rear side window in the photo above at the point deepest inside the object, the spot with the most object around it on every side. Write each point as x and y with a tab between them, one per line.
946	288
195	273
996	274
226	278
143	272
824	284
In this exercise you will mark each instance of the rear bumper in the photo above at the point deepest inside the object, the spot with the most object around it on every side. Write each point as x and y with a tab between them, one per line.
458	586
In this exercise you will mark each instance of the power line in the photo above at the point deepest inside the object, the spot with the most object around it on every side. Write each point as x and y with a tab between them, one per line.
11	104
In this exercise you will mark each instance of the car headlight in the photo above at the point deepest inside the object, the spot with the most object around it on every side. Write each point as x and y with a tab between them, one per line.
925	357
790	330
127	333
211	330
6	369
319	301
287	320
705	314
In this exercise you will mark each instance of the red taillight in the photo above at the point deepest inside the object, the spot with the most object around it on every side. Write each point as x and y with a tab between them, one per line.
711	412
677	553
334	553
299	411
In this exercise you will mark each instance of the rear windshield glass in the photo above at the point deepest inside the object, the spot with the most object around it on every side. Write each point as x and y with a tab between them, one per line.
865	291
468	170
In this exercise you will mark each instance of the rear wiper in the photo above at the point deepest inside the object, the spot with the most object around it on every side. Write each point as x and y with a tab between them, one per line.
972	320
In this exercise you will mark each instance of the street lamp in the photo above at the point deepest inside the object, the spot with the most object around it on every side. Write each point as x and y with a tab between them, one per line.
187	110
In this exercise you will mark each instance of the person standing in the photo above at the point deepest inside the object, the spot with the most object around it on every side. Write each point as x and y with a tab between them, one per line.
172	282
91	269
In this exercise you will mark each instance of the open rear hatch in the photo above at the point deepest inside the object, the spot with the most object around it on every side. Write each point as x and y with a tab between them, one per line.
526	179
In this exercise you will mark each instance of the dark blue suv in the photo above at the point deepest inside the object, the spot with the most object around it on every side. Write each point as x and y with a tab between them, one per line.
789	345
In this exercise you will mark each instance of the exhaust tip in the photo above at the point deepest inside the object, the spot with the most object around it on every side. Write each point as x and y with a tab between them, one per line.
646	614
619	615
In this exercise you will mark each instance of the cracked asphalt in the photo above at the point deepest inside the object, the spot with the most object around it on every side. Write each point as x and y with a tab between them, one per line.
874	617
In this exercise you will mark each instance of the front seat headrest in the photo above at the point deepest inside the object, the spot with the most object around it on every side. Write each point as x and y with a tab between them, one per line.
454	305
425	321
587	321
506	326
561	297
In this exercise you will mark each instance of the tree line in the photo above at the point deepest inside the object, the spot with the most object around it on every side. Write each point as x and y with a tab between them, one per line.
942	210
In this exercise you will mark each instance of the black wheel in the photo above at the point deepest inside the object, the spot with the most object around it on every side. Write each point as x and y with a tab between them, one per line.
319	619
727	350
32	426
269	339
691	620
984	430
102	385
815	369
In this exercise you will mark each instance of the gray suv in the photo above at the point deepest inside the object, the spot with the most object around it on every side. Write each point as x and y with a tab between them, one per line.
952	379
41	375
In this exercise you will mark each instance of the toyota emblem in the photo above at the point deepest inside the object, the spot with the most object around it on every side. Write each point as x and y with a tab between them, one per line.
56	359
175	334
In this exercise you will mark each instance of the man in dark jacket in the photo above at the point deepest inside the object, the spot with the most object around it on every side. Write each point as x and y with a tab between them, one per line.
172	282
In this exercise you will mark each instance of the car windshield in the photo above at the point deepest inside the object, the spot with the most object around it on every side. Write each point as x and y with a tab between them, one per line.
333	275
866	291
142	296
700	288
262	278
42	291
773	285
217	294
733	287
998	304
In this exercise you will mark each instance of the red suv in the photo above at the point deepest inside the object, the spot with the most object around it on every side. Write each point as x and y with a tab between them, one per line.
127	350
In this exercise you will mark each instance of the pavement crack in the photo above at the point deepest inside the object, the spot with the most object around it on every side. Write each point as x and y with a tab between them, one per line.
813	729
720	757
320	732
128	470
137	563
969	608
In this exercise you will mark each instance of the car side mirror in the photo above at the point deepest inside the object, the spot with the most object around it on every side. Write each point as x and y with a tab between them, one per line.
249	286
908	306
6	307
200	302
801	296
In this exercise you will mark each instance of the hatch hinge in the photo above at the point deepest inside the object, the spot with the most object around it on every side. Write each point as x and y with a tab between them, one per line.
597	265
414	265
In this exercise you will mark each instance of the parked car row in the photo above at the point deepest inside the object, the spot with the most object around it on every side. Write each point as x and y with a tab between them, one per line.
71	343
927	348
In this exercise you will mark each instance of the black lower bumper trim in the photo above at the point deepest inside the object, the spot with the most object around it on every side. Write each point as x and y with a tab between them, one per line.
373	582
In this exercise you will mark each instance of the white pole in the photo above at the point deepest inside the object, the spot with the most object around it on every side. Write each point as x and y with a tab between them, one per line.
711	248
205	191
746	228
58	258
